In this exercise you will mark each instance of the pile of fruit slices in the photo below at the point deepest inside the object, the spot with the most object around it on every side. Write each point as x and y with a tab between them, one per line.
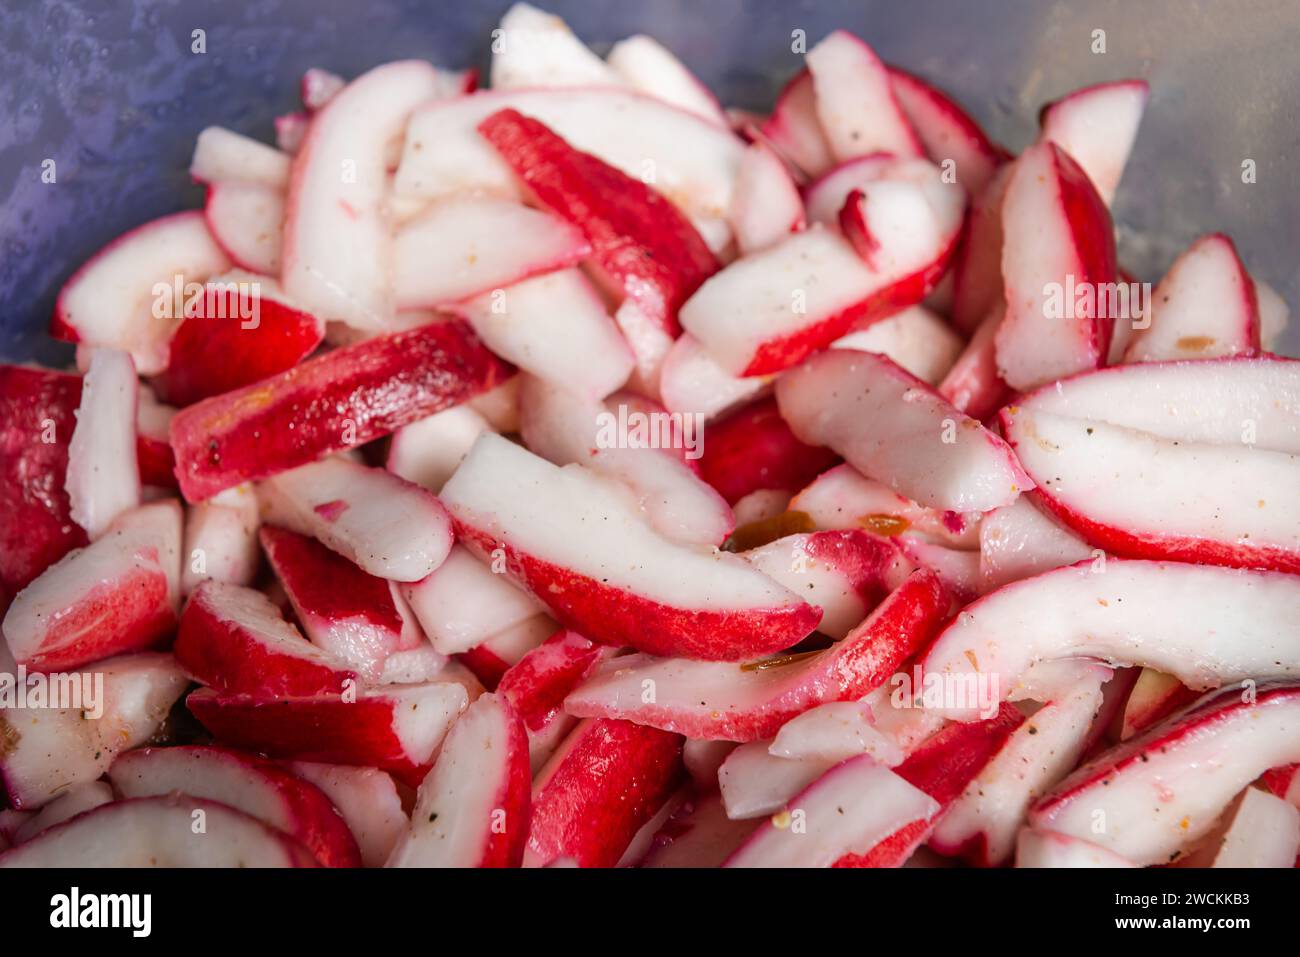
935	546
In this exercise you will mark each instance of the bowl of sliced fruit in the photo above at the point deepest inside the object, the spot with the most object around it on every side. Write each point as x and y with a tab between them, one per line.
501	441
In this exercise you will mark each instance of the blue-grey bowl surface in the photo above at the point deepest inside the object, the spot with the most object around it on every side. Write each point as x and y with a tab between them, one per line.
112	92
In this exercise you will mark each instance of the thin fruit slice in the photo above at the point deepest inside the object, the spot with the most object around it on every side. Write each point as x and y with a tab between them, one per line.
946	131
766	205
1154	696
103	478
429	451
977	264
1018	541
489	661
651	68
221	540
973	384
1035	848
916	340
753	448
1257	830
1097	126
698	834
690	381
855	100
222	155
366	799
795	129
75	800
246	219
533	48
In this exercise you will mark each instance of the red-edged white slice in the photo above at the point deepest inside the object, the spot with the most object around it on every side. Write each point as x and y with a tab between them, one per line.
352	616
472	809
223	156
566	536
429	451
466	245
1058	269
533	48
754	782
977	264
1154	696
946	131
1195	461
794	128
698	834
1206	626
1019	540
836	731
397	728
103	479
536	323
49	750
337	237
604	783
125	296
916	340
1274	314
391	528
1097	126
161	832
247	219
1257	830
649	67
221	540
1205	306
489	661
464	601
234	639
973	383
767	311
766	205
958	569
855	100
918	443
690	381
850	809
745	702
825	196
1035	848
118	594
753	448
368	802
259	788
1239	735
75	800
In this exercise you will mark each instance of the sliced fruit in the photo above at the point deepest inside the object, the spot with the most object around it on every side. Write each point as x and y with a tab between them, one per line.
795	129
1097	126
246	219
958	569
489	661
1035	848
1155	696
977	264
690	381
916	340
75	800
429	451
651	68
766	205
533	48
698	834
222	155
221	540
946	131
1018	541
973	383
368	802
1257	830
753	448
103	479
855	100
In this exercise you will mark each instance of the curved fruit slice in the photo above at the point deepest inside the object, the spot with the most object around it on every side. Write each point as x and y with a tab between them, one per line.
337	237
397	728
918	444
1204	625
160	832
242	330
472	809
388	526
489	661
833	732
234	639
1240	735
566	534
753	448
340	400
49	750
1205	307
245	783
429	451
1035	848
1058	268
124	296
368	802
973	383
103	479
795	129
1154	696
466	245
117	594
754	782
1224	434
1018	541
246	219
916	340
977	264
1257	830
946	131
745	702
1097	125
651	68
850	809
958	569
222	155
606	780
532	48
766	205
75	800
698	834
690	381
855	100
221	540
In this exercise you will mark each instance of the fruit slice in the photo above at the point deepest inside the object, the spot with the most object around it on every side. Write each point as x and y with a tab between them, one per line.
698	834
1036	848
240	331
1058	268
318	87
605	782
977	264
1204	307
124	297
221	540
153	450
916	340
117	594
918	444
466	245
745	702
753	448
337	237
1019	541
958	569
429	451
1215	428
222	155
389	527
244	782
851	808
368	802
75	800
1239	738
341	400
233	639
103	479
651	68
690	381
472	809
1155	696
973	384
1274	314
246	219
1257	830
1185	620
51	749
397	728
352	616
532	48
766	205
855	100
1097	125
160	832
946	131
834	732
566	534
489	661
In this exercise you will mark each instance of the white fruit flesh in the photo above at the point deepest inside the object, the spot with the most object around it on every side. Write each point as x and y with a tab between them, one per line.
1036	848
75	800
855	101
103	478
766	206
1263	831
247	219
532	48
1097	126
754	782
366	799
834	732
916	340
1018	541
222	155
691	381
650	67
429	451
221	539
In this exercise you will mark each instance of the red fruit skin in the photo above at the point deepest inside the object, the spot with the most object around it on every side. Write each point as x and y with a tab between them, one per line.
854	226
36	526
865	560
220	654
638	237
618	617
488	667
1094	239
505	847
211	355
604	786
1279	780
338	401
753	448
156	463
324	728
942	767
538	683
